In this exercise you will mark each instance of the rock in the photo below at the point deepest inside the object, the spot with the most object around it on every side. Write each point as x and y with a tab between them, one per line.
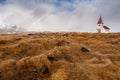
44	69
30	34
84	49
34	70
50	58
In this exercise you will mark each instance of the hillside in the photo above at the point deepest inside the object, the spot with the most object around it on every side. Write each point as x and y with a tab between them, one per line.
60	56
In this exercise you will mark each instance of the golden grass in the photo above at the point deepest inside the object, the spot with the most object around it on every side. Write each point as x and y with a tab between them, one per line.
58	56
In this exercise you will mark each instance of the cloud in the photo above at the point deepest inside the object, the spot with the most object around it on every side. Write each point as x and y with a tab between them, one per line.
60	15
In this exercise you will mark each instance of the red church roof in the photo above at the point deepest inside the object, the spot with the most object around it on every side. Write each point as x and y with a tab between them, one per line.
100	21
106	28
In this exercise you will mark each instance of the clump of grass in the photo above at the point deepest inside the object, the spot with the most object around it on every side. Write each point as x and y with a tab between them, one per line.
59	54
6	69
60	74
1	54
34	65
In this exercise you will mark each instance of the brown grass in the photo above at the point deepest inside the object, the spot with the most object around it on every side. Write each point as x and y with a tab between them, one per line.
58	56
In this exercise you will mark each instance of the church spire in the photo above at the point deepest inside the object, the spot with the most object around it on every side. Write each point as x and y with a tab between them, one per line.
100	21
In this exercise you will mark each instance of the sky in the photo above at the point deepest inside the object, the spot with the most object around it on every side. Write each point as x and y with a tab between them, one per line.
60	15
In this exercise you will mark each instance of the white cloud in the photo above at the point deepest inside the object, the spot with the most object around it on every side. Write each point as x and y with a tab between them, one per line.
44	15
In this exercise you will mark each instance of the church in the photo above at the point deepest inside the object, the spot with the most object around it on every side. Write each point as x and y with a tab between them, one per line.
102	28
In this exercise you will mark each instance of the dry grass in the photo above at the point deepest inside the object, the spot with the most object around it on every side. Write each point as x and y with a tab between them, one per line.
58	56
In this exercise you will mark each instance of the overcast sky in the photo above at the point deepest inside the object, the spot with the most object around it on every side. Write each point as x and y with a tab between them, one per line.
60	15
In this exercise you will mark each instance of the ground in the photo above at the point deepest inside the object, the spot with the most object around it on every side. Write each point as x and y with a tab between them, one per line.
59	56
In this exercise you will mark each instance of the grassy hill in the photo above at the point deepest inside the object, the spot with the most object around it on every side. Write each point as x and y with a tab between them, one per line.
60	56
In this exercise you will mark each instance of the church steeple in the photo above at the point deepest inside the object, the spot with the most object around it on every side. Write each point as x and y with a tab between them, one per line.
100	21
100	25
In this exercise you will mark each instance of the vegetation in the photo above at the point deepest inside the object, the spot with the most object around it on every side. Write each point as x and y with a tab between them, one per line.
58	56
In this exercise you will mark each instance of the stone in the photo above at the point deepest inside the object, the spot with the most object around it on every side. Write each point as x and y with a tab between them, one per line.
30	34
34	70
50	58
44	69
84	49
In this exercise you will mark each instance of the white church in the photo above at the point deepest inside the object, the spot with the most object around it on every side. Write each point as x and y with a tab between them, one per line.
102	28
